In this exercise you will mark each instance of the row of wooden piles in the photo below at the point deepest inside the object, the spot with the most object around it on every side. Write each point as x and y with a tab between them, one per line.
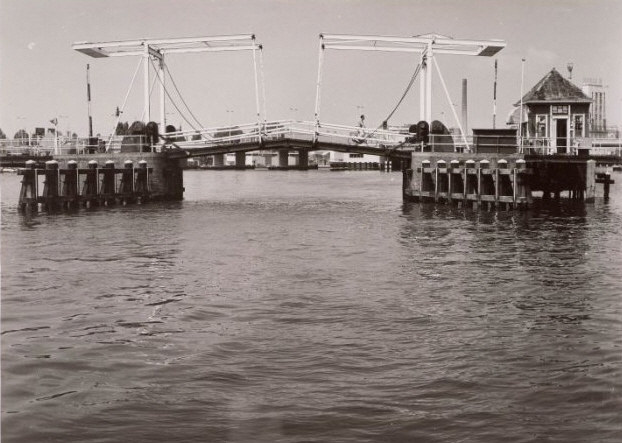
71	187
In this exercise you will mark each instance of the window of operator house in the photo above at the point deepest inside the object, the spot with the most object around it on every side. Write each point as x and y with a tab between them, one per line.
577	126
559	109
541	130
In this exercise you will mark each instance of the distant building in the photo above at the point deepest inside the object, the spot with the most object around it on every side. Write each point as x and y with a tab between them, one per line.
593	88
555	112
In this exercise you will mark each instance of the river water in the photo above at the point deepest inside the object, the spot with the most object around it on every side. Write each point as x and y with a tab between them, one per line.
290	306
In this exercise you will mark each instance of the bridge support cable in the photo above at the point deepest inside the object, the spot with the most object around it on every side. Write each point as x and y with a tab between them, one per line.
410	84
127	94
440	76
182	115
146	116
318	88
181	97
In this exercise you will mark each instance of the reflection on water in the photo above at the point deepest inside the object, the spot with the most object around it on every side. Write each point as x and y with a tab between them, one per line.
310	306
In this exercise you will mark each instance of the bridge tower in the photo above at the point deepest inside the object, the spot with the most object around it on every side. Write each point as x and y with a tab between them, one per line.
426	46
150	50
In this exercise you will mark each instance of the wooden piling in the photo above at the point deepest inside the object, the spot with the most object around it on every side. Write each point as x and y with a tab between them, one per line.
29	190
488	181
73	187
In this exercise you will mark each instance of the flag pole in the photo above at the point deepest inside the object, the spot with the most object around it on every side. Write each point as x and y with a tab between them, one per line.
494	100
88	97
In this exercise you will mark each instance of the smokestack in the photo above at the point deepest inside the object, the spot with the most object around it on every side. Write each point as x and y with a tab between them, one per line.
464	106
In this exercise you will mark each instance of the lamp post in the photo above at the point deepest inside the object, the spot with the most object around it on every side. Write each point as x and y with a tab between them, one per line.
294	110
230	113
66	125
54	121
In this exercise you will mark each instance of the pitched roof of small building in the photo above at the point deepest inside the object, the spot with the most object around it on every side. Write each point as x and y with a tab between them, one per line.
554	88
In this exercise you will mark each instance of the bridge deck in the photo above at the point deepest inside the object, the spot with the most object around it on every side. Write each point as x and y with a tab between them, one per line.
287	143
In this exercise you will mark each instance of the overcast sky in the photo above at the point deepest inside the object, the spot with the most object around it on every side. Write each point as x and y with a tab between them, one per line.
41	77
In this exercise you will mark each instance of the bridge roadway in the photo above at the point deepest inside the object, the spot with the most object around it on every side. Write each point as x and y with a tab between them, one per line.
175	151
297	136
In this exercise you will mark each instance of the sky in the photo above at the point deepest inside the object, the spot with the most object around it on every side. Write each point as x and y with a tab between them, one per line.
42	78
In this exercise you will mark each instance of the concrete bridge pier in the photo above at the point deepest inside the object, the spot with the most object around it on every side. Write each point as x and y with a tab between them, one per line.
303	159
283	158
240	160
219	160
396	163
382	162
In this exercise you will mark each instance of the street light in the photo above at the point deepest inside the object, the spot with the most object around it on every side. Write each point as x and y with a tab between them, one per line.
230	113
66	118
294	110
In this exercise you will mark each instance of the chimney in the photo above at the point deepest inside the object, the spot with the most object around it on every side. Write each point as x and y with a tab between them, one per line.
464	106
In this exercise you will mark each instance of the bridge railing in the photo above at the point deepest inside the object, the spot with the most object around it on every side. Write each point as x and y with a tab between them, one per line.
255	133
216	136
354	135
519	145
299	130
42	146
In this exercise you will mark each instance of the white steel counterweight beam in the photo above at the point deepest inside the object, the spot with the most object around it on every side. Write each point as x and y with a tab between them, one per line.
146	101
428	85
428	45
318	87
148	49
162	96
257	110
263	84
422	88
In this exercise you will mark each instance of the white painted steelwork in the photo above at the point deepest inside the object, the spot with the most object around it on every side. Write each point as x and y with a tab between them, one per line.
427	45
157	48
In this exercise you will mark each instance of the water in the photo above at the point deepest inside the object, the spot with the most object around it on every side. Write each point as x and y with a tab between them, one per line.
310	307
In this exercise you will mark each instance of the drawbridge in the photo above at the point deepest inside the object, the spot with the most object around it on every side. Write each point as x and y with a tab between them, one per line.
303	136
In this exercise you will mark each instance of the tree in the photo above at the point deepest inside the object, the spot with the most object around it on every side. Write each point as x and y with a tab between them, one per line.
136	128
21	135
2	134
121	129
